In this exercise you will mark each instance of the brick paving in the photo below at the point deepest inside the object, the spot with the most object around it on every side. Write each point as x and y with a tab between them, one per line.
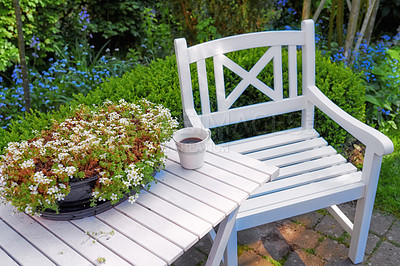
311	239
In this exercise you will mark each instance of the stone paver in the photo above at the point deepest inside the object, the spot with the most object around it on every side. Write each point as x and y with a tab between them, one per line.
331	250
251	257
380	223
387	254
329	226
309	239
394	232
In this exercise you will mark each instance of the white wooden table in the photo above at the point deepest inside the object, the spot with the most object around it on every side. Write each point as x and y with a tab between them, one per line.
182	207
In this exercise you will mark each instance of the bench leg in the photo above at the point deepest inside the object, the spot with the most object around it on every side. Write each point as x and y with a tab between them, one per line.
362	220
226	228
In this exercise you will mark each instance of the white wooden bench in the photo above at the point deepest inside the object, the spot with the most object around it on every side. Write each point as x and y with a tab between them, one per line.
312	174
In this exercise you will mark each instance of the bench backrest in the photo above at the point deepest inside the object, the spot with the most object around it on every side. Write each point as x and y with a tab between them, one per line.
278	104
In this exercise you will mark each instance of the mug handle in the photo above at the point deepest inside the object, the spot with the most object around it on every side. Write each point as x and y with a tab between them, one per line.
209	133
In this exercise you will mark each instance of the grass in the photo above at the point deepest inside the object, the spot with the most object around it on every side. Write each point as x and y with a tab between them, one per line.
388	192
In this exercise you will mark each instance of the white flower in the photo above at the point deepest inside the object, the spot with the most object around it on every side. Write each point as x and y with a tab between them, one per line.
113	196
103	156
28	164
40	178
133	198
70	170
95	194
28	209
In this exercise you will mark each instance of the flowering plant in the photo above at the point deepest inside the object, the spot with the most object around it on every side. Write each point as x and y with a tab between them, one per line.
120	143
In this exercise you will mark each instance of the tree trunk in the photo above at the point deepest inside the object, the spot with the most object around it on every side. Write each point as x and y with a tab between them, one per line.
371	23
319	9
352	28
21	48
339	22
306	14
331	18
366	22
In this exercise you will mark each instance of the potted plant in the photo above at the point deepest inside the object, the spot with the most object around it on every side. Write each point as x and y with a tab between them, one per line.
98	156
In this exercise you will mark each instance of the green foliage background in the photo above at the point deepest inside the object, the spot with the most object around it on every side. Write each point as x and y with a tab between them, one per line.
159	83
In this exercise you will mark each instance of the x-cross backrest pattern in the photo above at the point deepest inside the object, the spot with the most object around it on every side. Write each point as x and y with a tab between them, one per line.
217	50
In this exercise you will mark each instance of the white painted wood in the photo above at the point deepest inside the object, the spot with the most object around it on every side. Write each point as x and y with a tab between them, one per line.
48	244
215	179
184	77
312	165
301	205
312	174
203	86
270	141
6	260
216	186
158	224
19	248
302	156
297	193
140	234
278	85
380	143
251	112
184	219
365	205
292	64
282	184
293	148
244	41
208	197
221	239
188	203
265	169
118	243
78	239
341	218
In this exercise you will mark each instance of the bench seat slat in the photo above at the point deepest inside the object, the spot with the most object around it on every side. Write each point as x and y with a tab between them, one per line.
293	148
311	165
302	156
296	206
270	140
303	179
298	194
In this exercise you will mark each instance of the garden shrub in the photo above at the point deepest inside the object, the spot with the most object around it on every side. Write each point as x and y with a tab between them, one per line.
159	83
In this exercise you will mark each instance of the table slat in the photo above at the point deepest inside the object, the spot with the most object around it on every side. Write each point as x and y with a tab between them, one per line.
20	249
182	218
118	243
148	239
75	237
189	204
208	197
162	226
51	246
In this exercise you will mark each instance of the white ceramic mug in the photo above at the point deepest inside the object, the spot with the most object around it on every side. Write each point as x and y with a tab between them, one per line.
191	144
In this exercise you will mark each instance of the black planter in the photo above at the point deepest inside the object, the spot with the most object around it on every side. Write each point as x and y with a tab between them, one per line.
76	204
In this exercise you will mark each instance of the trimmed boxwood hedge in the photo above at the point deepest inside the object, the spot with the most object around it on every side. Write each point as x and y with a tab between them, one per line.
159	83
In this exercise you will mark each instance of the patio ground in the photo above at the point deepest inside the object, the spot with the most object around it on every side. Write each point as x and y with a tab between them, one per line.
311	239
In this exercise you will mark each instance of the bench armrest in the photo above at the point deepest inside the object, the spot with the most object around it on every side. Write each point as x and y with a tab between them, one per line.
369	136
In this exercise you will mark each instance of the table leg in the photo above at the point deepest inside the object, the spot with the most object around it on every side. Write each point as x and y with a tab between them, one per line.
221	239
